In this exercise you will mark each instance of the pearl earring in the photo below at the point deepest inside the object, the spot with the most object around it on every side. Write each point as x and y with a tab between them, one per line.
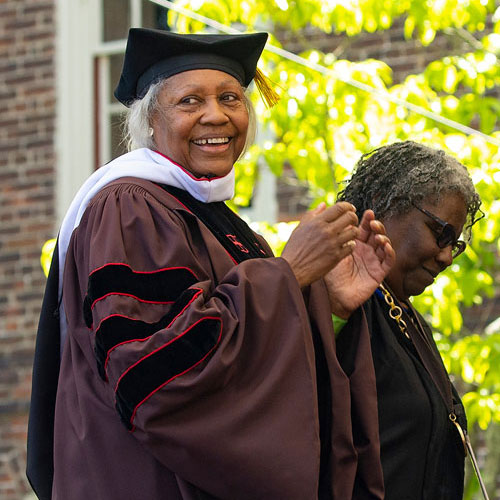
151	131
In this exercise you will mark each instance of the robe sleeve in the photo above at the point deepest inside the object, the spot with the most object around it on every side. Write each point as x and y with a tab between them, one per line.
212	372
355	436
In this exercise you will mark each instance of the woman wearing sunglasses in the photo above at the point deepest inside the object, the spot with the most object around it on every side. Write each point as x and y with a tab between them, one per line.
426	200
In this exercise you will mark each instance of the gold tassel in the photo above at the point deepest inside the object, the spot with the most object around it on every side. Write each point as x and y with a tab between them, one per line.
268	94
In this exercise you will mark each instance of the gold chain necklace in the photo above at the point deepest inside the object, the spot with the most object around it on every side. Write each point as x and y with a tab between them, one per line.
395	312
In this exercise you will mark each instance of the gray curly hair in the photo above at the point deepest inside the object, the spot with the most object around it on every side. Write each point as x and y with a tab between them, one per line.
138	120
392	179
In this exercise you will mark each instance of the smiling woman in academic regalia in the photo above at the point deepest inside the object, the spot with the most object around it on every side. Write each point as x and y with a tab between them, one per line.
194	363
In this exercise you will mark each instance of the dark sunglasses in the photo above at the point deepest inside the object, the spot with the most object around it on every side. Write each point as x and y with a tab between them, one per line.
447	235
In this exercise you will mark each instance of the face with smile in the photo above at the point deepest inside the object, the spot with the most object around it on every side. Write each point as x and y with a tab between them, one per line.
419	259
201	121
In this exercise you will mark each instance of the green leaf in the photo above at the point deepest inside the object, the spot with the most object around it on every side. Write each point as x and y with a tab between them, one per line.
46	256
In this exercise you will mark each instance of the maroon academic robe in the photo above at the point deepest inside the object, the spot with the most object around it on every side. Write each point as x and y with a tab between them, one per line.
188	376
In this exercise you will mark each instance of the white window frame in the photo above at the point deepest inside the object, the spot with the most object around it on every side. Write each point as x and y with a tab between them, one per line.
76	35
79	53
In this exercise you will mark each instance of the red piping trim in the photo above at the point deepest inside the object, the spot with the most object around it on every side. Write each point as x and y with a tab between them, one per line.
146	338
132	296
187	172
179	374
113	316
231	257
141	272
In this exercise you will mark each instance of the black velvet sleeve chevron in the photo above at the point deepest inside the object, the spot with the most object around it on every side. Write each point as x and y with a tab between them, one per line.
117	329
157	369
175	357
160	286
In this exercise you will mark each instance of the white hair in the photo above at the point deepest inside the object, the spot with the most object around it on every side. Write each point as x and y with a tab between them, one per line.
137	126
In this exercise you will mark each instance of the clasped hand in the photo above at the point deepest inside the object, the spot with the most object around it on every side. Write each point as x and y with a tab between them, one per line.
353	259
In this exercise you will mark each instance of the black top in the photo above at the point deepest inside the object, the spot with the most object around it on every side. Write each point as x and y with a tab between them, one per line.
421	451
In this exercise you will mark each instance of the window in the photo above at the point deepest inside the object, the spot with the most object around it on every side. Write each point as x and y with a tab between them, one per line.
117	16
91	40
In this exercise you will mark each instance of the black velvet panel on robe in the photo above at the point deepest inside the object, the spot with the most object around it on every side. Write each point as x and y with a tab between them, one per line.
40	468
422	455
231	231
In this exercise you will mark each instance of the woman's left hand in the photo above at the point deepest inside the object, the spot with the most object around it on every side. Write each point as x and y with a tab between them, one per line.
354	279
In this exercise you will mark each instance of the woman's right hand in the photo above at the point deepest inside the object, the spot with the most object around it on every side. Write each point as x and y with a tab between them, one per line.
323	238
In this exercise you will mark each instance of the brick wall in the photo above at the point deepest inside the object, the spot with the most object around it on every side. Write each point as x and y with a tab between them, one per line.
27	116
403	56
